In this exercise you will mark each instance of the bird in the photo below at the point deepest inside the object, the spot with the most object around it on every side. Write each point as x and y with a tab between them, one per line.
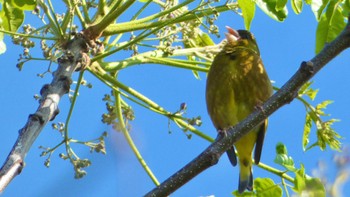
237	84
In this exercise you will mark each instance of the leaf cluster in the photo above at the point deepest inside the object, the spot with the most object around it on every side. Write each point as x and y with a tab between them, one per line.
326	135
330	14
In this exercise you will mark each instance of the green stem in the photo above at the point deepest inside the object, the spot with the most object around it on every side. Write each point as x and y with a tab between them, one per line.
163	13
71	108
112	16
285	187
67	17
145	57
175	63
130	141
53	28
51	150
85	11
55	20
69	151
114	84
80	16
161	3
141	10
143	24
27	35
277	172
160	24
114	42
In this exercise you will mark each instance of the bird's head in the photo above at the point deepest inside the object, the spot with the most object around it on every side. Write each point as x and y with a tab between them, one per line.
241	38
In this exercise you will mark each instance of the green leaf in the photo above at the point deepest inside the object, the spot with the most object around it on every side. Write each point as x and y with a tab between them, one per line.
269	7
204	39
248	11
303	88
12	18
196	38
308	2
308	91
346	8
281	148
266	187
196	74
297	6
307	129
331	24
311	93
299	181
244	194
28	5
314	187
282	157
326	135
324	104
307	186
281	4
318	6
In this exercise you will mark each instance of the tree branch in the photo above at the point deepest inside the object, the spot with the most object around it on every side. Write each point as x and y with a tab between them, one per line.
285	95
51	94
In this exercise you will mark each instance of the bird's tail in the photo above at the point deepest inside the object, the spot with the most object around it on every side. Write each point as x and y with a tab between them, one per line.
245	177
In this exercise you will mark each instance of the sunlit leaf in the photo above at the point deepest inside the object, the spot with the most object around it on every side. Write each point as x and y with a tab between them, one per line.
346	8
269	7
327	136
324	104
297	6
308	91
318	6
28	5
329	27
266	187
281	4
299	180
204	39
305	87
308	2
281	149
314	187
307	129
12	18
307	186
196	38
244	194
282	157
196	74
311	93
248	11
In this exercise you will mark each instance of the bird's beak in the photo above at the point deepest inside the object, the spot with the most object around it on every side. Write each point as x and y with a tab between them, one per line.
232	35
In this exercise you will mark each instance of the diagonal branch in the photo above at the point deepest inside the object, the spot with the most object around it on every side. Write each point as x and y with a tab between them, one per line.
51	94
285	95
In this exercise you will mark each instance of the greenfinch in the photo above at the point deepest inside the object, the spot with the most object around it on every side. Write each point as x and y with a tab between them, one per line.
237	84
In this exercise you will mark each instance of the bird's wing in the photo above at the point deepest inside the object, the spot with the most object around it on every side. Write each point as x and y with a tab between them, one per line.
260	141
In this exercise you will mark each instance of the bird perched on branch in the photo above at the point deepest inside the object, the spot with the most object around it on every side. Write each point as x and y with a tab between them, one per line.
237	84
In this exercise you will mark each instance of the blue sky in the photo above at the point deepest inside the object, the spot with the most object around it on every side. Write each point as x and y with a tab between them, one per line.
283	47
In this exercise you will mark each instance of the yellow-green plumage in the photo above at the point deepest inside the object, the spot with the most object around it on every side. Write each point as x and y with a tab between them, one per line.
237	84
